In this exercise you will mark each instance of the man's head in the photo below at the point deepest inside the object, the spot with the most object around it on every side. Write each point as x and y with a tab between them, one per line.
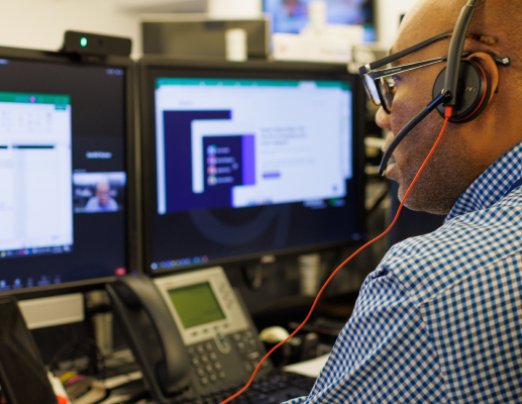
103	190
466	150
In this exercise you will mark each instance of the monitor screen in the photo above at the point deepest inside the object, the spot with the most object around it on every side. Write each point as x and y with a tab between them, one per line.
62	172
291	16
244	166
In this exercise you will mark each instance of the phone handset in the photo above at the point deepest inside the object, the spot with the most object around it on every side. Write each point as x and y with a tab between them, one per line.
138	293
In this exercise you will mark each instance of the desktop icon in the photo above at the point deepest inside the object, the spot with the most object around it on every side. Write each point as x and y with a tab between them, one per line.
212	180
212	150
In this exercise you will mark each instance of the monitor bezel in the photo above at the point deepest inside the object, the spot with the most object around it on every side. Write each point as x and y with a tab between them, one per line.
132	243
193	67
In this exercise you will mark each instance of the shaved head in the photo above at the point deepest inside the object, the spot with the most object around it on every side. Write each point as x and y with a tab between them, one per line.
466	150
500	18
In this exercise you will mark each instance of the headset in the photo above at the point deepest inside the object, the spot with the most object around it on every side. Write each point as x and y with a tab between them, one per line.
463	85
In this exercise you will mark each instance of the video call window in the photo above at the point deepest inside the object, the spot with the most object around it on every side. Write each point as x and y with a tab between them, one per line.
99	192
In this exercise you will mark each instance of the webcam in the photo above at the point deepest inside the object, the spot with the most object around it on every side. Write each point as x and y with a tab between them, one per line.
84	43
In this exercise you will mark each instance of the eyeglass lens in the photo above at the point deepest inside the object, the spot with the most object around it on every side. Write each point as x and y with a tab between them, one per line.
372	90
387	88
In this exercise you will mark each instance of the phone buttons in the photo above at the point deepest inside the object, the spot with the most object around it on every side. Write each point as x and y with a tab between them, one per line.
200	372
208	345
204	381
222	343
200	349
209	368
213	356
217	365
222	375
213	377
195	361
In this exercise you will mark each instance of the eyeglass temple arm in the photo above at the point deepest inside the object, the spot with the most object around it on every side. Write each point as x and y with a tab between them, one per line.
380	74
406	52
409	127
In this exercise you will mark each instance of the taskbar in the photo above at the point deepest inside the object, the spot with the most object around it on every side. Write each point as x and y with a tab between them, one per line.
177	263
25	252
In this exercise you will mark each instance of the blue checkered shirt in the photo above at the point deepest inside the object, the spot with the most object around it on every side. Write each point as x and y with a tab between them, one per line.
440	319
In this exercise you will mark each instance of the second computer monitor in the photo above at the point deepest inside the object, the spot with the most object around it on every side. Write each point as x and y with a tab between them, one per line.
64	139
242	161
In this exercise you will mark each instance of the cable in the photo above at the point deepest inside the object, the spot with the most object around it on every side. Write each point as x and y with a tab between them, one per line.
449	111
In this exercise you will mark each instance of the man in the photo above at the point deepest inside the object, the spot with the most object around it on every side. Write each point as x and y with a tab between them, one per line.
440	320
102	202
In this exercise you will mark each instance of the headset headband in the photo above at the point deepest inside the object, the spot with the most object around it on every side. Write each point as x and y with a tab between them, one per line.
455	51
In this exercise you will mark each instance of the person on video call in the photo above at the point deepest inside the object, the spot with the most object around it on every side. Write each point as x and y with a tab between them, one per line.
102	201
440	319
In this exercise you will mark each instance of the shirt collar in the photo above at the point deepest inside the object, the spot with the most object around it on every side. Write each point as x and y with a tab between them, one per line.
495	183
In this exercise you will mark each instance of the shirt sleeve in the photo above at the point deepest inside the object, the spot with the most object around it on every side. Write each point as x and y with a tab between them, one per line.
92	205
384	354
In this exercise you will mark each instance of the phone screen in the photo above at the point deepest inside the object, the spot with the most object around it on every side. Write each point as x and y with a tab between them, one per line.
207	309
22	373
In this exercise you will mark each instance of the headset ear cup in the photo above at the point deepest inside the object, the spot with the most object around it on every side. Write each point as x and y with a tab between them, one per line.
486	97
473	95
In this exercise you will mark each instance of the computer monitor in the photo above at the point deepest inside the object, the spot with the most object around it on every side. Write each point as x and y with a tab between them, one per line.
65	140
246	160
291	16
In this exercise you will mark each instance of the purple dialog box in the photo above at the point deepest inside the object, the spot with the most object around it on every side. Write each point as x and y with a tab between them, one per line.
229	161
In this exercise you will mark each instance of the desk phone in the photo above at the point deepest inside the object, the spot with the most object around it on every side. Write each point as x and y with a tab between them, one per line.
189	332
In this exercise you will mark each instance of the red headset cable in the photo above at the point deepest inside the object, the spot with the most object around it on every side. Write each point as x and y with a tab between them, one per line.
449	111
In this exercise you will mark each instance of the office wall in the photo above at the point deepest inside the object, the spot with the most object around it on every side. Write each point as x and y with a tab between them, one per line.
388	17
40	23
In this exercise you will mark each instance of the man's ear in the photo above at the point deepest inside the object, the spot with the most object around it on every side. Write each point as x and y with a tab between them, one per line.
488	63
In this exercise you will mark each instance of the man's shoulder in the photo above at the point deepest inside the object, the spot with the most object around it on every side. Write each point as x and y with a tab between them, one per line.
92	203
465	244
113	205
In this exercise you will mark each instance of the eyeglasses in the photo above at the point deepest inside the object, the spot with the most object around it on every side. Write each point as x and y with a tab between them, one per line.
380	83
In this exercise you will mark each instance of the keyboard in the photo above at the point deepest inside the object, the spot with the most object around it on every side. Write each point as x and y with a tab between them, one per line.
272	389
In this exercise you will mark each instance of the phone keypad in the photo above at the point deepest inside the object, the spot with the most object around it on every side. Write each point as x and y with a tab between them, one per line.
205	358
248	347
206	363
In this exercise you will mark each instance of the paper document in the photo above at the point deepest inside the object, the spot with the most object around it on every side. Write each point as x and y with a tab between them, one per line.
310	368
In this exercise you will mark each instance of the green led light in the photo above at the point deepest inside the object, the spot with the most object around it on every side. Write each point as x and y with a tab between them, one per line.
83	42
